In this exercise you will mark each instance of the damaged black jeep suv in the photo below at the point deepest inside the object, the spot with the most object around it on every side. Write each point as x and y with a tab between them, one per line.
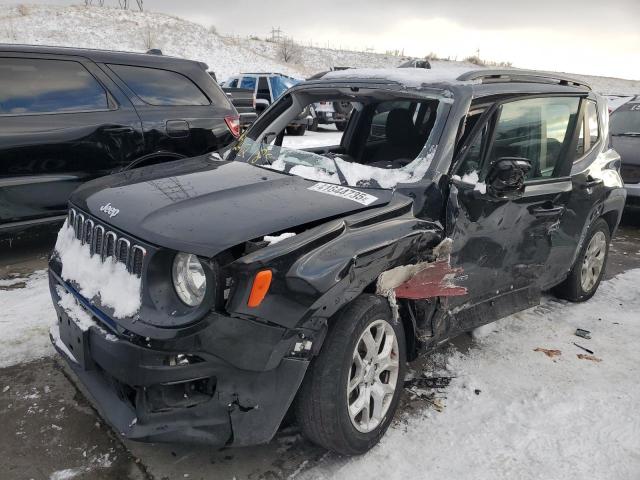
201	300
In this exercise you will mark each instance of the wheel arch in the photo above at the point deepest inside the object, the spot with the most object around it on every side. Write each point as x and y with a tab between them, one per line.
612	218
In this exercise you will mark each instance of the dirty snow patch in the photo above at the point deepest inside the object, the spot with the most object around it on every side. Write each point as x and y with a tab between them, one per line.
109	281
27	314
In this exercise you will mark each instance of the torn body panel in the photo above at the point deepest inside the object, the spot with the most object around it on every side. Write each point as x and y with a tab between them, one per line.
431	280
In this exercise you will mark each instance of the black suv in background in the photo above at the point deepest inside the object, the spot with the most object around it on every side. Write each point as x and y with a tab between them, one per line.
71	115
625	138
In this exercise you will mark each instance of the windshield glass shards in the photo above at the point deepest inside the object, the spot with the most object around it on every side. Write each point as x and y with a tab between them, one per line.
366	142
330	168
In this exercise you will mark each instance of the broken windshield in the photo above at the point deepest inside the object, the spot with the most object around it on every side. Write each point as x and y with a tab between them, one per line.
331	168
388	142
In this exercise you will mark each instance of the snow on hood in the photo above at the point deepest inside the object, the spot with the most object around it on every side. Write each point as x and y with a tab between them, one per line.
108	281
271	239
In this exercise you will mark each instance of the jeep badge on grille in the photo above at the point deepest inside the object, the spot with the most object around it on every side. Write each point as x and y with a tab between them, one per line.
109	210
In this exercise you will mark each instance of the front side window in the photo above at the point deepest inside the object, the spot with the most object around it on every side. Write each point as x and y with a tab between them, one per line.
160	87
36	86
536	129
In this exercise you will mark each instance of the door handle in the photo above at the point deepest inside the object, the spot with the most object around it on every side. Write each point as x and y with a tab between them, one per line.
118	129
548	212
592	182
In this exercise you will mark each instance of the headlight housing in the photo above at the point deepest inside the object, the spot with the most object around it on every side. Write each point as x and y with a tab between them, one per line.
189	279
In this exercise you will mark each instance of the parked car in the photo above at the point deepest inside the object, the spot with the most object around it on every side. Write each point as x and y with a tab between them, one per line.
70	115
226	290
625	138
614	101
268	87
327	113
416	63
244	101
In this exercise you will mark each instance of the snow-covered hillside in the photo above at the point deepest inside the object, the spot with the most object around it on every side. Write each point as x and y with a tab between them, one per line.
109	28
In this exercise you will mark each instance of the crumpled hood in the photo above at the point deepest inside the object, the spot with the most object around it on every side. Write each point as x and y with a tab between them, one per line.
203	206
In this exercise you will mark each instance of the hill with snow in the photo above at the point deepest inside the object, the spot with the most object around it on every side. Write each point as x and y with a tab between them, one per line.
114	29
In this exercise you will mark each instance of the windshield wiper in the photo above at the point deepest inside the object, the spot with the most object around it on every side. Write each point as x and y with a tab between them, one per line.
341	177
626	134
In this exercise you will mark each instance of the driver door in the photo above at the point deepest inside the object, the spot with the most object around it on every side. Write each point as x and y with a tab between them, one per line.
503	243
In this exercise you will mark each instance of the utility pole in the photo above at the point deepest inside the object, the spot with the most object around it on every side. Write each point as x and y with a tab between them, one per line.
276	34
124	4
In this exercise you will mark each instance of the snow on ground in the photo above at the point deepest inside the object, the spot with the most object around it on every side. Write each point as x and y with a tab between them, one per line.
513	412
111	28
25	316
326	136
510	412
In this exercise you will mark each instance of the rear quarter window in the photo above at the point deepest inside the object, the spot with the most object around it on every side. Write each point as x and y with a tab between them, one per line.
40	86
160	87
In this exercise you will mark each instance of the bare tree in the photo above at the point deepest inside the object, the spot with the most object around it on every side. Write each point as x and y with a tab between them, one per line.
288	50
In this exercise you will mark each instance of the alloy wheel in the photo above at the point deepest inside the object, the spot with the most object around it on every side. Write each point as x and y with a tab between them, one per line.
373	376
593	261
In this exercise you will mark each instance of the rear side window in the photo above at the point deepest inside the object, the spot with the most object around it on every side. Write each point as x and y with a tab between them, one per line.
233	83
592	122
160	87
36	86
248	82
589	132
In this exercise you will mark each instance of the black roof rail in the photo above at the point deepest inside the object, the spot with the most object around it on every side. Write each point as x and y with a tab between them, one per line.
532	76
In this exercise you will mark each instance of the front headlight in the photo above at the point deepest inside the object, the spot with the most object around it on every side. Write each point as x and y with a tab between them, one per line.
189	279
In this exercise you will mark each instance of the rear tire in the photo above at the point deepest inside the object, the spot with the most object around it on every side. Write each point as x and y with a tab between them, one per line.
352	389
587	273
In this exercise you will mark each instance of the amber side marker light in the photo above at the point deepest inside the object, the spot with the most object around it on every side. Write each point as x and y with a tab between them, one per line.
260	287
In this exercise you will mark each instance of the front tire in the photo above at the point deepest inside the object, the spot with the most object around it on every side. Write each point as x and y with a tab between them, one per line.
587	273
352	389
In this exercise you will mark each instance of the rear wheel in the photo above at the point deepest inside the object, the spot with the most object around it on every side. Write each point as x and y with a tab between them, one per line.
586	274
351	391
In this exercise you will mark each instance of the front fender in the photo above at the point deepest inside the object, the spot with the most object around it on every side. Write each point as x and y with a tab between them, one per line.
318	272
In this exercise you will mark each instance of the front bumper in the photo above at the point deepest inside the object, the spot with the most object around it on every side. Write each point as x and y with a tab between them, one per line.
147	396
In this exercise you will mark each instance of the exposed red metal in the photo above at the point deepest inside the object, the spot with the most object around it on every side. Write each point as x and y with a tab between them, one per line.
435	280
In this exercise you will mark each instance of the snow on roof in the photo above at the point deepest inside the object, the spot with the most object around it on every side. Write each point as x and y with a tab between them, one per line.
410	77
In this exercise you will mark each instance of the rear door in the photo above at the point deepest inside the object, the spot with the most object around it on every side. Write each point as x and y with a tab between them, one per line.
62	122
506	247
182	114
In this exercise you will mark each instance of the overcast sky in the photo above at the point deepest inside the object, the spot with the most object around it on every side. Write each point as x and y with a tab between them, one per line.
580	36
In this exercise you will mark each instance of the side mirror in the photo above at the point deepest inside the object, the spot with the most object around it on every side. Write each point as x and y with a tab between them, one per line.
506	176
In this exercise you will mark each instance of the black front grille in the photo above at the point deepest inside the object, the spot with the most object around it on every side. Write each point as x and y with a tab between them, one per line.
107	243
630	173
